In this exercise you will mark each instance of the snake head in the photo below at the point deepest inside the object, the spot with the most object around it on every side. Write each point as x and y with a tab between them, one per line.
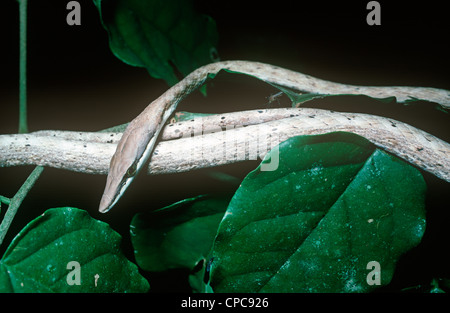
132	151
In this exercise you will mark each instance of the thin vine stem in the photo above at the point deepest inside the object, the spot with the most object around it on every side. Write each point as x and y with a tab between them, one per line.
5	200
16	201
23	123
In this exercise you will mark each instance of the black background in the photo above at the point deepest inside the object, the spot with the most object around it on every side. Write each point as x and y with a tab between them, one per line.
76	83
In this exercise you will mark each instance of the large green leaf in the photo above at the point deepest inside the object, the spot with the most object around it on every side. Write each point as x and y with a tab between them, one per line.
334	204
155	34
178	236
38	259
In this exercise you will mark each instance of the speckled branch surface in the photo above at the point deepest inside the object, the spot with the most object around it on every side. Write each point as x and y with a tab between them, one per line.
138	142
225	138
139	138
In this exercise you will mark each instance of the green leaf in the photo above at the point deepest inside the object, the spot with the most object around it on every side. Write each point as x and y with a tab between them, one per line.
38	258
334	204
155	34
177	236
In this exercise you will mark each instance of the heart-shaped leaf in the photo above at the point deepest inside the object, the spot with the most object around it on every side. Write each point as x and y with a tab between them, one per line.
158	34
65	250
335	216
178	236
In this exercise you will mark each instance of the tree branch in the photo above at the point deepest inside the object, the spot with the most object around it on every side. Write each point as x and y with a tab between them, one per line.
223	139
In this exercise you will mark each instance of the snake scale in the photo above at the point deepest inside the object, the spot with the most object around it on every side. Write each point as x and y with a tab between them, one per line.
139	138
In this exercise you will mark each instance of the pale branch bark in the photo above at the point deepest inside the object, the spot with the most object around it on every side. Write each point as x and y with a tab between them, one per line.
223	139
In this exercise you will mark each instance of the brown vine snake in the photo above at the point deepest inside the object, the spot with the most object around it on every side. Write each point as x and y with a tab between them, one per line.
139	138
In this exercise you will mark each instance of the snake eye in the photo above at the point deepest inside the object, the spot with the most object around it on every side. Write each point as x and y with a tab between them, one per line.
132	170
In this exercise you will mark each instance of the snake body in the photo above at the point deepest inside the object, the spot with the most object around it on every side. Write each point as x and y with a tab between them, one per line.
139	138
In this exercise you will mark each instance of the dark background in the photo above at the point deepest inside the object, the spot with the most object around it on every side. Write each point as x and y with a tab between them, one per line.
75	83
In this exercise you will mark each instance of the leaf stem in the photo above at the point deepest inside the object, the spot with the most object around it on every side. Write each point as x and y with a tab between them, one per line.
16	201
23	124
5	200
